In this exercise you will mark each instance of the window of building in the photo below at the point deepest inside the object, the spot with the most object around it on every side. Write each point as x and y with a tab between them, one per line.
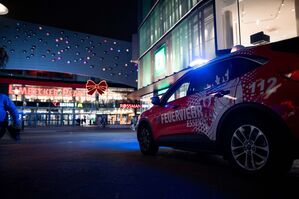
160	62
146	70
192	40
238	20
165	15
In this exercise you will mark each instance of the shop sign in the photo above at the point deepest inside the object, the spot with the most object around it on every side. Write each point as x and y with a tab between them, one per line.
92	87
44	91
64	104
67	104
130	106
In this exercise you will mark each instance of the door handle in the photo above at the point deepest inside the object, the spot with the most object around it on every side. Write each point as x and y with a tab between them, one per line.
222	93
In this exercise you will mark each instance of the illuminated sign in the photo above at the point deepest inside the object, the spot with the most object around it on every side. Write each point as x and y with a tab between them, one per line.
160	61
130	105
64	104
67	104
44	91
92	87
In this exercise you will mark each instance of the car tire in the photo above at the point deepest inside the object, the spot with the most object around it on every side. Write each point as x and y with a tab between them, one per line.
147	144
257	146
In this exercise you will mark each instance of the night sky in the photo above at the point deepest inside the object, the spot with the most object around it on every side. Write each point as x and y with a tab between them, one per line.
109	18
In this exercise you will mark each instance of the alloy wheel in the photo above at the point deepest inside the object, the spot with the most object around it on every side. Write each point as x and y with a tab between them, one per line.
250	147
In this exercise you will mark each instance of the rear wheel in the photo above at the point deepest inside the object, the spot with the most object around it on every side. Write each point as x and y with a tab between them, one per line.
253	145
146	142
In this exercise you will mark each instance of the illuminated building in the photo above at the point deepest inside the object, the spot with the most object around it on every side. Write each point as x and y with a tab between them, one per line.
175	35
48	68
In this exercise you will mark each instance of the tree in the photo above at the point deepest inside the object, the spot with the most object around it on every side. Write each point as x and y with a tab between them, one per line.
3	57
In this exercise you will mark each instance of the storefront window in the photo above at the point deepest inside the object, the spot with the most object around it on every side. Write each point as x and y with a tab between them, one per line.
146	70
44	105
235	25
209	35
275	18
227	23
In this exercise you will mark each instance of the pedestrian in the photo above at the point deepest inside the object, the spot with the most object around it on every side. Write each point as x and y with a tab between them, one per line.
7	106
133	123
103	122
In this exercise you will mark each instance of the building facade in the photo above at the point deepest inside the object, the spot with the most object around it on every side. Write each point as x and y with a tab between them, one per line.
48	69
176	35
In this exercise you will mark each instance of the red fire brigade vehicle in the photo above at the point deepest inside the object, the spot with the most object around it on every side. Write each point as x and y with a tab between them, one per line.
244	106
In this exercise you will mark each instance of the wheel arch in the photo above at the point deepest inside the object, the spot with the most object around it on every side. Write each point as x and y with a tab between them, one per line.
248	108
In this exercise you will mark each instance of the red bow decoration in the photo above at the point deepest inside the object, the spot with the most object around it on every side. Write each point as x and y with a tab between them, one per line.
92	87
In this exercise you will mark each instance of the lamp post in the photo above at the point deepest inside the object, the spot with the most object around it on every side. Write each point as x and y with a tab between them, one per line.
3	9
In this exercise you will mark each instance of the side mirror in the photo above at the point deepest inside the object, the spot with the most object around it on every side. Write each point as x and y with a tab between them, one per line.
155	100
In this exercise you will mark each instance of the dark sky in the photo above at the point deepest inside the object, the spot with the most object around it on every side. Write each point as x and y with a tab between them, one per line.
109	18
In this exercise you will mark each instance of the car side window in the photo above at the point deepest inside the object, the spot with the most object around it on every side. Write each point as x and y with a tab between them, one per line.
241	66
210	76
178	91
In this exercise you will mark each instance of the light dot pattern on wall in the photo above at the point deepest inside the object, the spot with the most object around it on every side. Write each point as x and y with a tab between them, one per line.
32	46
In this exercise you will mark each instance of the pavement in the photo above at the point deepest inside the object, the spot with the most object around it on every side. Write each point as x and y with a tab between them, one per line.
105	163
87	128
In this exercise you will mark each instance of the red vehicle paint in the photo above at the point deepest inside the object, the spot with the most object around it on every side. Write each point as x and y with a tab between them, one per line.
244	105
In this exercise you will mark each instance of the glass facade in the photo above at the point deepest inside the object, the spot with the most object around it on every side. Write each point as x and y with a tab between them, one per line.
164	17
182	33
160	62
237	20
191	40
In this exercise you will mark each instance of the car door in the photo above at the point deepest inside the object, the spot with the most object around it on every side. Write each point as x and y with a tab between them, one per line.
167	122
213	94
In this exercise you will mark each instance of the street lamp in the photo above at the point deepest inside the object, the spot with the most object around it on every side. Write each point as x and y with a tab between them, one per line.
3	9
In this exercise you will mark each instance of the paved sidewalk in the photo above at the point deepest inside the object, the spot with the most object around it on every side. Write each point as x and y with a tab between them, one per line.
49	129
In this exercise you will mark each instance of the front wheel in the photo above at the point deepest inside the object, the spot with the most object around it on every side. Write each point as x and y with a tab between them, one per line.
146	142
257	147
